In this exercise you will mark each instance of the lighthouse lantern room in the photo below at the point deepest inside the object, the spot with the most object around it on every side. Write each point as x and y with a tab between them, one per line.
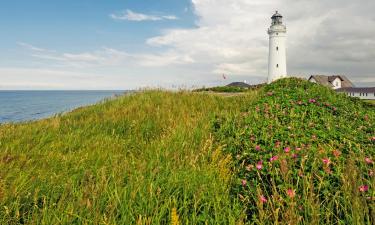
277	49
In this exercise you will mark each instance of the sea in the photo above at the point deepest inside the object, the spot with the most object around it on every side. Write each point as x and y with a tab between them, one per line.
20	106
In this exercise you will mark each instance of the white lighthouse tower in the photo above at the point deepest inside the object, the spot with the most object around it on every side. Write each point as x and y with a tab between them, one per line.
277	52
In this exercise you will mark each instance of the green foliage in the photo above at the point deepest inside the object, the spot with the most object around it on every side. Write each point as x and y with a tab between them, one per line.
125	161
151	158
303	155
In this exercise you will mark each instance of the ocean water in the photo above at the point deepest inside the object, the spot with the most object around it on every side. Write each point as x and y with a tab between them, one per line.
17	106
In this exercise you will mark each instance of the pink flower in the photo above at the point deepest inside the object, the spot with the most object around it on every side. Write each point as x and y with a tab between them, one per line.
334	108
291	193
312	100
257	148
243	183
298	149
259	165
262	199
326	161
368	160
363	188
287	149
295	156
373	138
274	158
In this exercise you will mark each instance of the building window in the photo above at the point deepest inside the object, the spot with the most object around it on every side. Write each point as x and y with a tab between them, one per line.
277	65
277	48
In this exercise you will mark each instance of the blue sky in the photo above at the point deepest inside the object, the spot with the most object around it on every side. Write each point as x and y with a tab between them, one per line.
84	25
130	44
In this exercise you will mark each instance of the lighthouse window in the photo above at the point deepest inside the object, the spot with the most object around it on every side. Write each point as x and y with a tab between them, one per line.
277	33
277	65
277	48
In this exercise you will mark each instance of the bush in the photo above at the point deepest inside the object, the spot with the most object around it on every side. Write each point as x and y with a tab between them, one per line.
303	155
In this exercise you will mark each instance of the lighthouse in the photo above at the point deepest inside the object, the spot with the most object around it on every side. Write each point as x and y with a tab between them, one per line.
277	49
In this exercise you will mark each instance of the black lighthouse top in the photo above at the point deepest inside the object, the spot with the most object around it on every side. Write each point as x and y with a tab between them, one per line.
277	18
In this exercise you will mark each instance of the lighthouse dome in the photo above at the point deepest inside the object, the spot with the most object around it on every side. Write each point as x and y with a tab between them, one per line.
277	14
277	19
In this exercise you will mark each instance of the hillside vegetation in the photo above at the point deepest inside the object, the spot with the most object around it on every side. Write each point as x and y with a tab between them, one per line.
303	154
291	152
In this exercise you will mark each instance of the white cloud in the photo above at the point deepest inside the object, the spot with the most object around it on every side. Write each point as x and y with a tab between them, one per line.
133	16
328	36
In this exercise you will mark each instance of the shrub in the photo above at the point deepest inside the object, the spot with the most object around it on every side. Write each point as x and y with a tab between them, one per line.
302	154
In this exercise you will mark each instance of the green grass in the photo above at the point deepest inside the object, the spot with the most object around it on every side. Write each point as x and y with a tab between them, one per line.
159	157
125	161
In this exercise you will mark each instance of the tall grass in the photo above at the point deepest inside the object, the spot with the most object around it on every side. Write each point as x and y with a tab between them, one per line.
146	158
290	153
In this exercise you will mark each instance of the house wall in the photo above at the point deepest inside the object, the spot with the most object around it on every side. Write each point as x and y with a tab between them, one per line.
366	96
336	83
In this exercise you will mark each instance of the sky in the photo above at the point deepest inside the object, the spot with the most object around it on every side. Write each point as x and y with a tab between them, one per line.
132	44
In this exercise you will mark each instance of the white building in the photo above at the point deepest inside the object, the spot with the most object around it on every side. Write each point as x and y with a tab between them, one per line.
277	49
342	84
367	93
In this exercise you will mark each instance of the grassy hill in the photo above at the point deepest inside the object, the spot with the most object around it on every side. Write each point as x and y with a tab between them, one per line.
193	158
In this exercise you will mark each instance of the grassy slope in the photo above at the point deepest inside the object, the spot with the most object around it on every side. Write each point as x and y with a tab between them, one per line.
131	160
150	158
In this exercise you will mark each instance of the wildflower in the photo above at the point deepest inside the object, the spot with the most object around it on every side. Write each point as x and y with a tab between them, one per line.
373	138
294	156
336	153
257	148
291	193
262	199
334	109
259	165
299	102
312	100
298	149
313	137
368	160
363	188
243	182
270	93
287	149
175	219
326	161
274	158
277	144
370	173
249	167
